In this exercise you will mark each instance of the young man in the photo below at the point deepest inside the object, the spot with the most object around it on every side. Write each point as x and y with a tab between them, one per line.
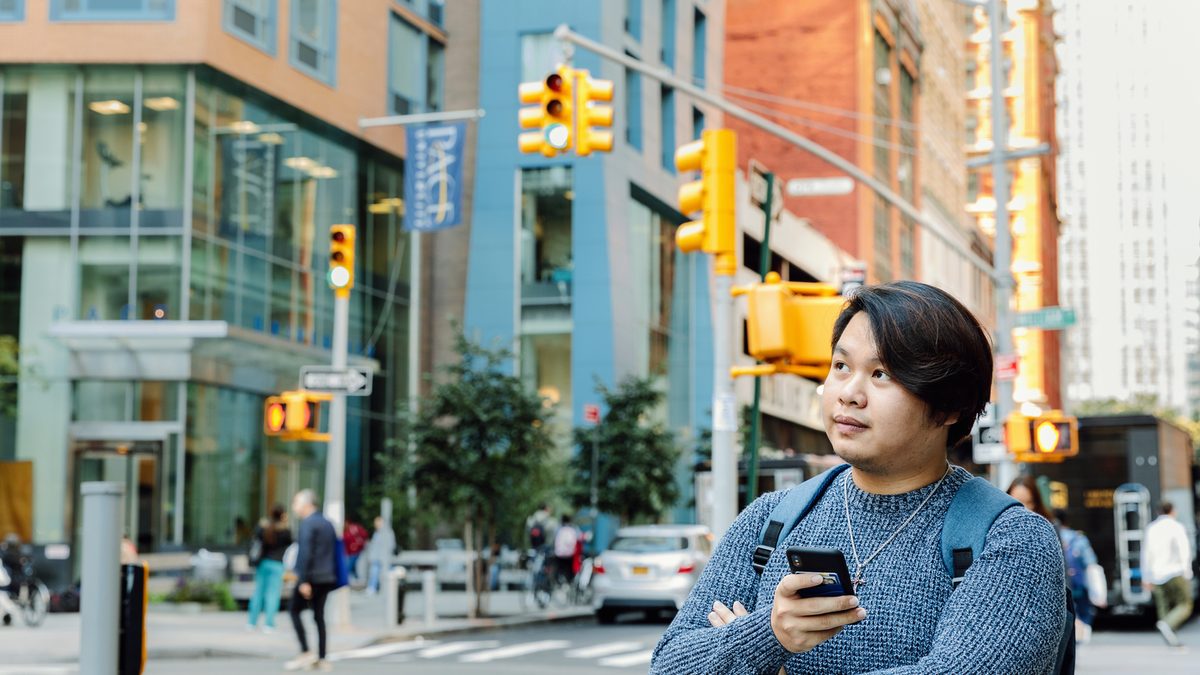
1167	561
316	577
911	371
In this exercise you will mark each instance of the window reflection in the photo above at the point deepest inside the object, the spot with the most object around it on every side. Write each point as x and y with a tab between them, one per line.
547	267
35	187
107	181
161	137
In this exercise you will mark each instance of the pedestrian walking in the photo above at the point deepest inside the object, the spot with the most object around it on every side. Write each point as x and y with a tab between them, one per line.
1025	490
911	371
316	577
565	542
540	527
380	552
1167	571
355	538
1081	569
270	541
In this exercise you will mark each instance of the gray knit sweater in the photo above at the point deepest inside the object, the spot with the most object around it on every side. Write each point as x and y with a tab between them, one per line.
1003	618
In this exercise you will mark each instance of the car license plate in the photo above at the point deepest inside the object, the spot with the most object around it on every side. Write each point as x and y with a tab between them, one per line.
640	570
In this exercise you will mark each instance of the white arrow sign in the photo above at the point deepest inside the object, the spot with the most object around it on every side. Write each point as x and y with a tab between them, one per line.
349	381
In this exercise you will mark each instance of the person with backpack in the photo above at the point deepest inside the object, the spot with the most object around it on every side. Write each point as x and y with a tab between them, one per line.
1082	566
947	576
271	539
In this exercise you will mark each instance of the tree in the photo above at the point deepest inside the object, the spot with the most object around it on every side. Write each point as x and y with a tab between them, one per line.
636	457
478	449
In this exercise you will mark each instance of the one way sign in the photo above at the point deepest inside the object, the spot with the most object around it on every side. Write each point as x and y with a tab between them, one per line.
349	381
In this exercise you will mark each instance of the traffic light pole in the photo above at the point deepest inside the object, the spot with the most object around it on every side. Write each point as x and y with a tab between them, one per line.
335	456
764	266
724	409
1004	471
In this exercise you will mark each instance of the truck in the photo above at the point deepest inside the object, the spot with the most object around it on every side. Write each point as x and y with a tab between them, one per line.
1127	465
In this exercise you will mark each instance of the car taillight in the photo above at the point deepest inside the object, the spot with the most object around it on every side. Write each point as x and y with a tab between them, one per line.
687	568
598	567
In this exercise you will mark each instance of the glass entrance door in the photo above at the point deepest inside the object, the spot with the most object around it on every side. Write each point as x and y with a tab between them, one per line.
135	465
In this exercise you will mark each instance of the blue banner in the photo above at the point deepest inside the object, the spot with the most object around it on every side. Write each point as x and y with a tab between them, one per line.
433	176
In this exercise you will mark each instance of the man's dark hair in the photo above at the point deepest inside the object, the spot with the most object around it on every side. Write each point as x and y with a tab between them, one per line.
931	344
1166	508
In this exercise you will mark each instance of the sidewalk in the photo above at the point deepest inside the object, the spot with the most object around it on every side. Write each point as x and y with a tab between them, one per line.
172	635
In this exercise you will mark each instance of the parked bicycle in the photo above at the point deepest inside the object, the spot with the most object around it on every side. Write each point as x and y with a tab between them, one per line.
21	592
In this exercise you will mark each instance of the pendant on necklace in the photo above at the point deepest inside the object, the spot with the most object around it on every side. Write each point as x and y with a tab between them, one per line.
858	580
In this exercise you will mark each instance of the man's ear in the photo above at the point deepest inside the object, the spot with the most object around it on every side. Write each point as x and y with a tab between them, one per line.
951	419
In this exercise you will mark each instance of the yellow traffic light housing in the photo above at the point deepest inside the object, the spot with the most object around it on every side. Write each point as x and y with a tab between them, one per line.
274	414
591	115
553	113
1050	437
341	259
295	416
789	327
715	157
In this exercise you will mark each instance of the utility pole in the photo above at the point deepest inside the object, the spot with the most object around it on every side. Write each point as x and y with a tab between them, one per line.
764	266
1004	471
341	280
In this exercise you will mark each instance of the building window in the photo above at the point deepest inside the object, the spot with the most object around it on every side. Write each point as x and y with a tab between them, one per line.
668	33
112	10
652	265
437	11
314	38
697	122
699	46
253	21
539	56
435	75
546	255
12	10
633	108
633	18
404	80
667	134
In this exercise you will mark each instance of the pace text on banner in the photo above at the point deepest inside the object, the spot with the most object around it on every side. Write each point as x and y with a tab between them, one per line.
433	179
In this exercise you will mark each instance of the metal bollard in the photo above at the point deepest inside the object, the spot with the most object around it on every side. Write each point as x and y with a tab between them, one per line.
101	593
394	596
428	588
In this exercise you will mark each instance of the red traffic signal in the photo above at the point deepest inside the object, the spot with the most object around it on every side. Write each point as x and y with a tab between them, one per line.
554	82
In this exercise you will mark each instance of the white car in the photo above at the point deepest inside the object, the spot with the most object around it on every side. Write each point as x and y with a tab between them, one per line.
649	568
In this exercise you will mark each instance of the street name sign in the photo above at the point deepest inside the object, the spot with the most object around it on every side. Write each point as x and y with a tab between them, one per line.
820	187
1046	318
349	381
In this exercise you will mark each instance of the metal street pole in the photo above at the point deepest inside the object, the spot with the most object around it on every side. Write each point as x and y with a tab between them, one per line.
1004	471
724	409
595	469
764	266
335	458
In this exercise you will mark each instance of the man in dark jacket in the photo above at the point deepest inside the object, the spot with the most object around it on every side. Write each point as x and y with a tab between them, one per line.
316	576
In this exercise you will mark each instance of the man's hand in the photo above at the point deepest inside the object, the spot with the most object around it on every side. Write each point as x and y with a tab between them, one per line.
722	615
306	591
803	623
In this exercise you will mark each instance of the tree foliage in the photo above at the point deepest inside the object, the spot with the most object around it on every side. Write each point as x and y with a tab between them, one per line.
636	456
478	449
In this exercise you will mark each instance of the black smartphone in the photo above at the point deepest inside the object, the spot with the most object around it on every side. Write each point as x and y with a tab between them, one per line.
830	563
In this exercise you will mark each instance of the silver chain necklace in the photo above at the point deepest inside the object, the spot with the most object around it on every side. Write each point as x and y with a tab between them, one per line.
859	565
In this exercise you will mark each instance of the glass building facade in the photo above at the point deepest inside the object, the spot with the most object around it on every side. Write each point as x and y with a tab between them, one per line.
163	250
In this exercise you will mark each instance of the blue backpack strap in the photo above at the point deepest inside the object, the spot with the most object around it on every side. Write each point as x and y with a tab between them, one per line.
974	508
796	504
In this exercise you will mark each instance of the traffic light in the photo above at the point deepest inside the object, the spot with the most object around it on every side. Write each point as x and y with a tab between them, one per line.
341	259
591	115
1049	437
295	416
553	113
789	326
715	157
274	416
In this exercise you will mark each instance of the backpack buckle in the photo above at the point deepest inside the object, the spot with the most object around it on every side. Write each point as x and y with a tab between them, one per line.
761	555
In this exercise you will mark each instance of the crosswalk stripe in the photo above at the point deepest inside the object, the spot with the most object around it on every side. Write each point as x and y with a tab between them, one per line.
514	650
456	647
376	651
606	649
627	660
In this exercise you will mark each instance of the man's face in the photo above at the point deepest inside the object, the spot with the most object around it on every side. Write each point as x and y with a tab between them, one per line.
872	421
298	506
